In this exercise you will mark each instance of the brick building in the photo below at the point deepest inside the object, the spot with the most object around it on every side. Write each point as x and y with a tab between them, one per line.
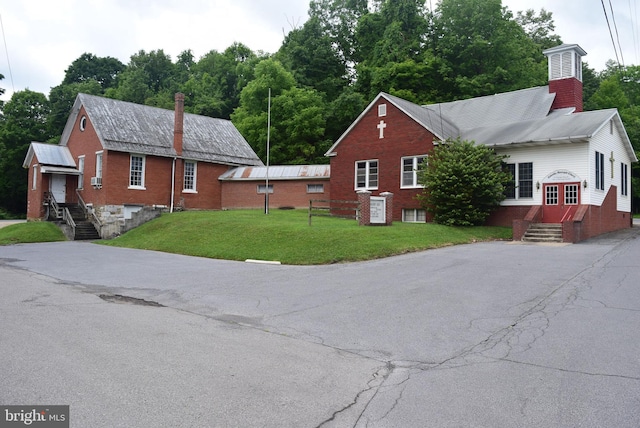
569	167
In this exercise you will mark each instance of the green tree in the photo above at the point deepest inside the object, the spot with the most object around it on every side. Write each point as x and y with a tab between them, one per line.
24	120
90	67
61	99
463	183
298	116
484	49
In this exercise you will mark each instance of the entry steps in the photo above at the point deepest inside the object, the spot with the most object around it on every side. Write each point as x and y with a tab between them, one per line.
85	230
543	232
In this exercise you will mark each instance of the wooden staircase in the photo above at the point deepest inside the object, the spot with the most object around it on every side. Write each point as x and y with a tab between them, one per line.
543	232
84	230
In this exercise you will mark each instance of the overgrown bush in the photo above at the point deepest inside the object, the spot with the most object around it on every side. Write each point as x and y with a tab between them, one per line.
463	183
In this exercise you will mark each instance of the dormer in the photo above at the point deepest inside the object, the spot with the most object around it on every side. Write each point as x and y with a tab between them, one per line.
565	75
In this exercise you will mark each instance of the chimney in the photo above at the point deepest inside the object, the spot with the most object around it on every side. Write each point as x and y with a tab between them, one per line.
565	76
178	127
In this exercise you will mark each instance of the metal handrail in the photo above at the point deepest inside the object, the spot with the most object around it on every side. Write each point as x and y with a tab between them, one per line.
68	218
54	204
93	217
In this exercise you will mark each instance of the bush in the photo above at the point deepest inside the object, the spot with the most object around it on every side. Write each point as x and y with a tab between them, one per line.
463	183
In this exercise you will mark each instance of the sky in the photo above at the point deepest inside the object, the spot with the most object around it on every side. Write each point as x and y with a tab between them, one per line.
41	38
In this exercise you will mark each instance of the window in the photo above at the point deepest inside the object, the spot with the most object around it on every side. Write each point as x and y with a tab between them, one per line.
189	176
382	110
315	188
367	174
599	171
414	215
551	195
99	164
136	172
571	194
262	187
624	179
410	167
81	175
522	174
83	123
34	183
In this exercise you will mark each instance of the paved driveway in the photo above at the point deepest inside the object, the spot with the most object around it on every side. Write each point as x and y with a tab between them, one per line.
485	335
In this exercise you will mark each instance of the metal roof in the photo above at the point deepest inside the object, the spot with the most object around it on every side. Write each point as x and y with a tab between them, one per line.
134	128
278	172
49	154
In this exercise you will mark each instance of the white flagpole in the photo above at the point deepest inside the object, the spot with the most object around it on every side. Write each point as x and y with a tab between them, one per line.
266	190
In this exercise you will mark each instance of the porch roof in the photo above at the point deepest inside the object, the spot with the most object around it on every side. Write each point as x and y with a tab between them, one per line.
49	154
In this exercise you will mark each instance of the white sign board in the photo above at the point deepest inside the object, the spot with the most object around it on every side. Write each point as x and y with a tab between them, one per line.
378	210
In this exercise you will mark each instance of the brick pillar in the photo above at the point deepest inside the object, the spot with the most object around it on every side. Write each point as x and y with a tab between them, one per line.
388	207
364	200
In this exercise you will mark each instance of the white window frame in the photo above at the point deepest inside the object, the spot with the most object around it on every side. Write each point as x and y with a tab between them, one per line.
140	185
599	171
624	179
518	181
261	187
368	174
99	164
193	177
415	161
418	215
34	182
382	110
81	169
315	188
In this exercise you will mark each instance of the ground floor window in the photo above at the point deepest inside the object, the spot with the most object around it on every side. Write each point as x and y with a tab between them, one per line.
262	187
414	215
599	171
315	188
367	174
624	177
190	176
521	186
136	172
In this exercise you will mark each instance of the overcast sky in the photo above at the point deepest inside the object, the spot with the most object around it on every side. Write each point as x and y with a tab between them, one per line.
41	38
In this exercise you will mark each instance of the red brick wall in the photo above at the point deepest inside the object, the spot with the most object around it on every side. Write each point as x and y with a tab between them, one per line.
286	193
592	220
402	137
35	198
568	93
505	215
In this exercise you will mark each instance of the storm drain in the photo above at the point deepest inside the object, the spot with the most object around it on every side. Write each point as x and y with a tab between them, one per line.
118	298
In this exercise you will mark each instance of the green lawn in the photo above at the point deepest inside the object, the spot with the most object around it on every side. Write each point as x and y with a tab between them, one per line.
285	236
37	231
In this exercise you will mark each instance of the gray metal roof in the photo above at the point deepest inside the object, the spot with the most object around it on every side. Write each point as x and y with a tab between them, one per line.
278	172
49	154
134	128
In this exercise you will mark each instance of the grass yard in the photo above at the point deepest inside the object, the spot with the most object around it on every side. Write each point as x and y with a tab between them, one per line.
285	236
36	231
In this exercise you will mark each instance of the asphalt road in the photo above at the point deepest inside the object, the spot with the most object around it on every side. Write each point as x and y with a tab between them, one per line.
485	335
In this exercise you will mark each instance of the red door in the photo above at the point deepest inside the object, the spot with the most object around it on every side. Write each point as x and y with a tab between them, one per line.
560	201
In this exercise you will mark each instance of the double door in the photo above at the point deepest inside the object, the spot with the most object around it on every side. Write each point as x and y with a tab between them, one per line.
560	201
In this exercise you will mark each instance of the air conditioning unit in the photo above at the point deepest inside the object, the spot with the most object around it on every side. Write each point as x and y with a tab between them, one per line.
96	181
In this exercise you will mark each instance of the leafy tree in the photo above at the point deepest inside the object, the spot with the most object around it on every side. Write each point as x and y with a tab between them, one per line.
463	183
24	120
298	118
90	67
310	56
539	28
485	51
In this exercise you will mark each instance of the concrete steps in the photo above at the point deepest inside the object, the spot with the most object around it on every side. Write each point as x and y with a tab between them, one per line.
543	232
85	230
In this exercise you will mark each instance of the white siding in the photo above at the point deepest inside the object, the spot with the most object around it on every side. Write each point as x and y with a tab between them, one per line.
606	142
546	160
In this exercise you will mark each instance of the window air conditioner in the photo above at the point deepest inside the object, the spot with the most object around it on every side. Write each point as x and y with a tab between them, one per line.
96	181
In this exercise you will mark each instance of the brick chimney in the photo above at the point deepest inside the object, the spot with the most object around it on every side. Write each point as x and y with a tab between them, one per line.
178	127
565	76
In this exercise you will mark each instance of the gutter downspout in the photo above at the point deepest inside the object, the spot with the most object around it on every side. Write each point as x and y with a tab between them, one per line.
173	183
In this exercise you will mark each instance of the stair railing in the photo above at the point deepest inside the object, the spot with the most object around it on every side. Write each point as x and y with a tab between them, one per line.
53	205
90	214
68	218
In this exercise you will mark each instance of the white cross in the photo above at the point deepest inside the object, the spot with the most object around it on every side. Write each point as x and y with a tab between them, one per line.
612	160
381	127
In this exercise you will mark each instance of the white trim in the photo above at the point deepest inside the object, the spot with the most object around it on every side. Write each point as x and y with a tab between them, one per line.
194	189
142	172
99	163
415	184
367	176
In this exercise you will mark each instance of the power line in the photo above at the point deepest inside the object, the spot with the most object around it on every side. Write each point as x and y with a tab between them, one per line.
615	26
610	32
7	53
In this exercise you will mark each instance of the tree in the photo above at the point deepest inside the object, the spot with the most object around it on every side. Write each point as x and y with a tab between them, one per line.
90	67
24	120
298	116
61	99
463	183
485	51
